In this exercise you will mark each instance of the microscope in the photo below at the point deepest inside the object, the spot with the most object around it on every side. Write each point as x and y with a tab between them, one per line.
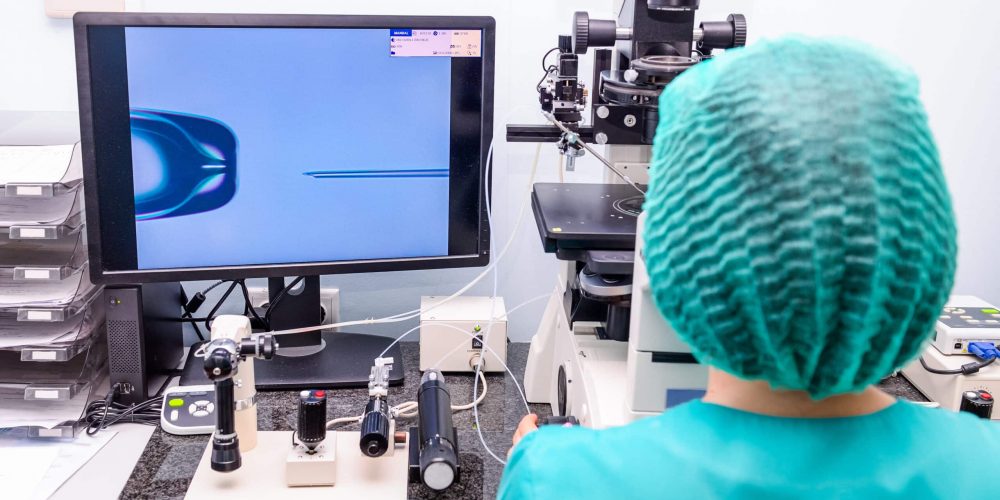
228	367
601	331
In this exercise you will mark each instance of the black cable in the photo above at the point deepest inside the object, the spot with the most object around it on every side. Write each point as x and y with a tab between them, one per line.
546	56
211	314
247	305
197	329
191	306
190	320
277	299
538	86
103	413
546	69
966	369
212	287
188	314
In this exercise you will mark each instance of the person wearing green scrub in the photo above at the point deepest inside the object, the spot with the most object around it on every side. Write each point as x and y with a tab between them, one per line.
800	238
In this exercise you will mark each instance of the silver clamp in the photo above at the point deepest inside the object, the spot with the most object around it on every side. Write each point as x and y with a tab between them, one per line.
246	403
378	379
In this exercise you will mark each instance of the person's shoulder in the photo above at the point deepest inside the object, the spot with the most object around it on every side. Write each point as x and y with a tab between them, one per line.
539	461
961	430
555	461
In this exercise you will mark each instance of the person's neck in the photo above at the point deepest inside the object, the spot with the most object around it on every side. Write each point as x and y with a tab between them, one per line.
757	396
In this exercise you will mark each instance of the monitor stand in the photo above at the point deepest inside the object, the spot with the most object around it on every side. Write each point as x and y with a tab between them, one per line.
313	360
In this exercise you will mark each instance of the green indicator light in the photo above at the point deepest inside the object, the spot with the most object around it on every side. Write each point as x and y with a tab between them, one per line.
991	311
476	328
174	403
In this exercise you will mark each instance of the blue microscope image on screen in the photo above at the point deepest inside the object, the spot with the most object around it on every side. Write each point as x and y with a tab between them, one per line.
281	145
181	165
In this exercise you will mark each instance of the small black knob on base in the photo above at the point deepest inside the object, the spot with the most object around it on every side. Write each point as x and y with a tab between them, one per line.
311	430
375	428
978	403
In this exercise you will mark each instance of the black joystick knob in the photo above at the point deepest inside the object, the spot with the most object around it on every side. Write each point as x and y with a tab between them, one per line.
589	32
312	418
978	403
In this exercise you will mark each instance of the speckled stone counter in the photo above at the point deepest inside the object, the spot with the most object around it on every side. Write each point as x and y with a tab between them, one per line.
169	462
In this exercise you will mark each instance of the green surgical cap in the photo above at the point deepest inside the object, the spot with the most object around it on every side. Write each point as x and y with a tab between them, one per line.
798	226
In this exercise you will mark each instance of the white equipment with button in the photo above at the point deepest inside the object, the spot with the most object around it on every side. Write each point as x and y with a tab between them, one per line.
451	335
188	410
947	390
964	319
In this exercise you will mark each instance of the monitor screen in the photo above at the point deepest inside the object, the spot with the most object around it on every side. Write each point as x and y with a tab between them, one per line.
277	146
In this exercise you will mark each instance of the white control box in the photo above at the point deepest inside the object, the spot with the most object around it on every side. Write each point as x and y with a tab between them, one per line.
451	335
966	319
947	390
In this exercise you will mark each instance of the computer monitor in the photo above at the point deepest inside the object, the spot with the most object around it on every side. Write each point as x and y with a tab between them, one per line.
222	146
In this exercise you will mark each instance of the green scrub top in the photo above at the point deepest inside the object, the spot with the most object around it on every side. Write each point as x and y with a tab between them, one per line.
703	450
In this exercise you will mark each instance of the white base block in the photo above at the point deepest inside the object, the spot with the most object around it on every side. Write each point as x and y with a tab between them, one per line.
318	468
261	474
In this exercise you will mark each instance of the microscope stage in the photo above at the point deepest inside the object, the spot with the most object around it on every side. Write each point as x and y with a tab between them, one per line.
586	216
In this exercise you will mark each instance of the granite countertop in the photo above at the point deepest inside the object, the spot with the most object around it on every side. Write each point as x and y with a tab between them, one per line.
169	462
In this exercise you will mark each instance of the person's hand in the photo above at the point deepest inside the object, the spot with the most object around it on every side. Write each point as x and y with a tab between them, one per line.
528	425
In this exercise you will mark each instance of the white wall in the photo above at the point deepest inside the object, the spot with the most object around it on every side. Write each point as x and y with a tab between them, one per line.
952	48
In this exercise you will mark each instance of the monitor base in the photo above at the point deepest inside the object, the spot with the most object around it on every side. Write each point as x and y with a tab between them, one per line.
344	362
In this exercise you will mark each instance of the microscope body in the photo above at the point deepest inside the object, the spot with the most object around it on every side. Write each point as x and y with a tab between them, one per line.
601	353
229	357
237	329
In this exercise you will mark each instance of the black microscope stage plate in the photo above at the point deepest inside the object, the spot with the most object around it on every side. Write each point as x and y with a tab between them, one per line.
586	216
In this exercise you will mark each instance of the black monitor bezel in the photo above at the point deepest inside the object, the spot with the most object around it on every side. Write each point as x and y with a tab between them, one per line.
100	275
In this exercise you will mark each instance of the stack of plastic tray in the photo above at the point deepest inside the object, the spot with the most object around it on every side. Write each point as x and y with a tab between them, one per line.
51	316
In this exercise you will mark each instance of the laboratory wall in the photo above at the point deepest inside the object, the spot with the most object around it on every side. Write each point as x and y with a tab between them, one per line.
951	45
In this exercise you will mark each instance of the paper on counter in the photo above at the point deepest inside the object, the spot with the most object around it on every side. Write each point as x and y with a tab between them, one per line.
22	468
34	164
43	465
73	455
